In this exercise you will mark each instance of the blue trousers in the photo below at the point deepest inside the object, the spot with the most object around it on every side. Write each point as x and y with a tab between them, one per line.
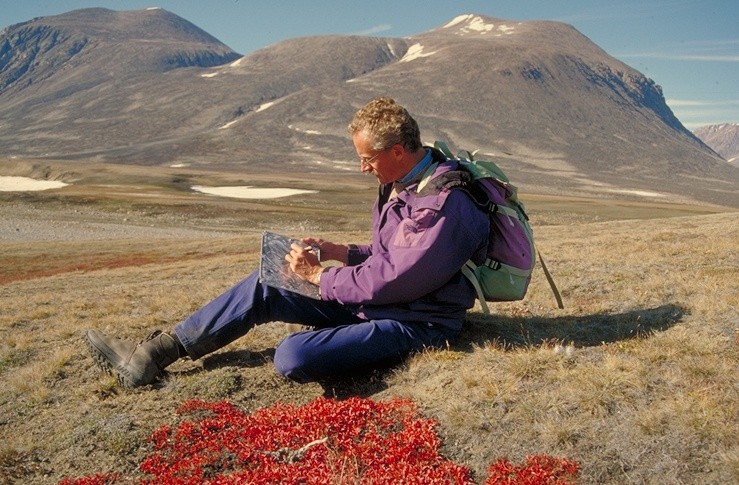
341	343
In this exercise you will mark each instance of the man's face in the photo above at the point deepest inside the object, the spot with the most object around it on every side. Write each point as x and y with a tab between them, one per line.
381	163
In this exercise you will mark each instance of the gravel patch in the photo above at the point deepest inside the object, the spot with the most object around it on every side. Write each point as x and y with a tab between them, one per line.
23	223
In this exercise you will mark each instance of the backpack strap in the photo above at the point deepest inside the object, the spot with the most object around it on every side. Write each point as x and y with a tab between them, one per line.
453	178
427	177
468	270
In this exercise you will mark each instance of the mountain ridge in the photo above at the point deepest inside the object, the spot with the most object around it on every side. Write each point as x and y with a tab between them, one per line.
557	112
723	138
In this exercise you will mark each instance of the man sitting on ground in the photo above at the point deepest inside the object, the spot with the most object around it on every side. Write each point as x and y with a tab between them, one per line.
399	294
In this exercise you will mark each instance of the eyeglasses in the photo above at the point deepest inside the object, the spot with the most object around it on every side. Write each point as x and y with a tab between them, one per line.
368	161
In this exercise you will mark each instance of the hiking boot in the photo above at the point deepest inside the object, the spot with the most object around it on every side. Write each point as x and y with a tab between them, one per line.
133	364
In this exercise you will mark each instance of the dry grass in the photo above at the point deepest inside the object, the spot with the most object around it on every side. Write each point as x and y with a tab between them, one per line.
639	370
636	378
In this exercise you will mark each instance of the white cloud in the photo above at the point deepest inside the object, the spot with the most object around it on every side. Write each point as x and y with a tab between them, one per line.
694	113
685	102
701	102
724	50
375	30
683	57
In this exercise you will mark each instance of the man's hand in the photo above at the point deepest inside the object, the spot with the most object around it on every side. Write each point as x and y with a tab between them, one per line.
329	251
304	263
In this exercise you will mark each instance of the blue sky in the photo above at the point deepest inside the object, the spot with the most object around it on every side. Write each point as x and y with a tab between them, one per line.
689	47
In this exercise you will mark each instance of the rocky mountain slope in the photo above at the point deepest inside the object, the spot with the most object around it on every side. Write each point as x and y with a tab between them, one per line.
147	87
723	138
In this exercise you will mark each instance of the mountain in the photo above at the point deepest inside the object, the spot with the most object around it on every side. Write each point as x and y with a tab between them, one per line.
98	44
723	138
559	114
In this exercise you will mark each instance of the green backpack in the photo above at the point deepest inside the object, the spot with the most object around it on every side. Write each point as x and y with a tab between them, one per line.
506	272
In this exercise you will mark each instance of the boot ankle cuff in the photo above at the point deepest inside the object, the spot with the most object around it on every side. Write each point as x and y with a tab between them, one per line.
181	351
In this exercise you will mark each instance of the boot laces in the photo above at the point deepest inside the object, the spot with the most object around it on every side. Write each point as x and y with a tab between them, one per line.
151	336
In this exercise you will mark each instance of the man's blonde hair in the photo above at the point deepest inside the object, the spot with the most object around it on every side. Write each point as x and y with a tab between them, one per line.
388	124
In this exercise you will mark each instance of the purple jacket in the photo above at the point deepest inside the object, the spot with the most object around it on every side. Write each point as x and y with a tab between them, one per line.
411	271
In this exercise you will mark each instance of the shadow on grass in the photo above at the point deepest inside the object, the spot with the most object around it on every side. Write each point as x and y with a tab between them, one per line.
518	332
582	331
511	332
363	384
238	358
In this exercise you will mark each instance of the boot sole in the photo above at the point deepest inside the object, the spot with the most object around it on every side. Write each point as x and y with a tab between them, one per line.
98	356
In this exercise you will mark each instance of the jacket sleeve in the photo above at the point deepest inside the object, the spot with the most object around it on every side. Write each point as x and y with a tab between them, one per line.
423	253
358	253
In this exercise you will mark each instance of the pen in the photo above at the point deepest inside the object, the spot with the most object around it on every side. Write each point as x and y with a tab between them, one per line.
314	249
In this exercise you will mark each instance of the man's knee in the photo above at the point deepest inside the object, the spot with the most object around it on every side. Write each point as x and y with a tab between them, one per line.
290	360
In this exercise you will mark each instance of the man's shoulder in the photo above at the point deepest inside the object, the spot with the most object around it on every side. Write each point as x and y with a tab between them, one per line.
447	176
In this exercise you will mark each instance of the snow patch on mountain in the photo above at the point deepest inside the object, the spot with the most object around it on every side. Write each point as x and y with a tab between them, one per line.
643	193
307	132
249	192
26	184
220	70
264	106
474	24
415	52
230	123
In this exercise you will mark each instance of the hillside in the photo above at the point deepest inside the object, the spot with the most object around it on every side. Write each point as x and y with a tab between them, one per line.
146	87
636	379
723	139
